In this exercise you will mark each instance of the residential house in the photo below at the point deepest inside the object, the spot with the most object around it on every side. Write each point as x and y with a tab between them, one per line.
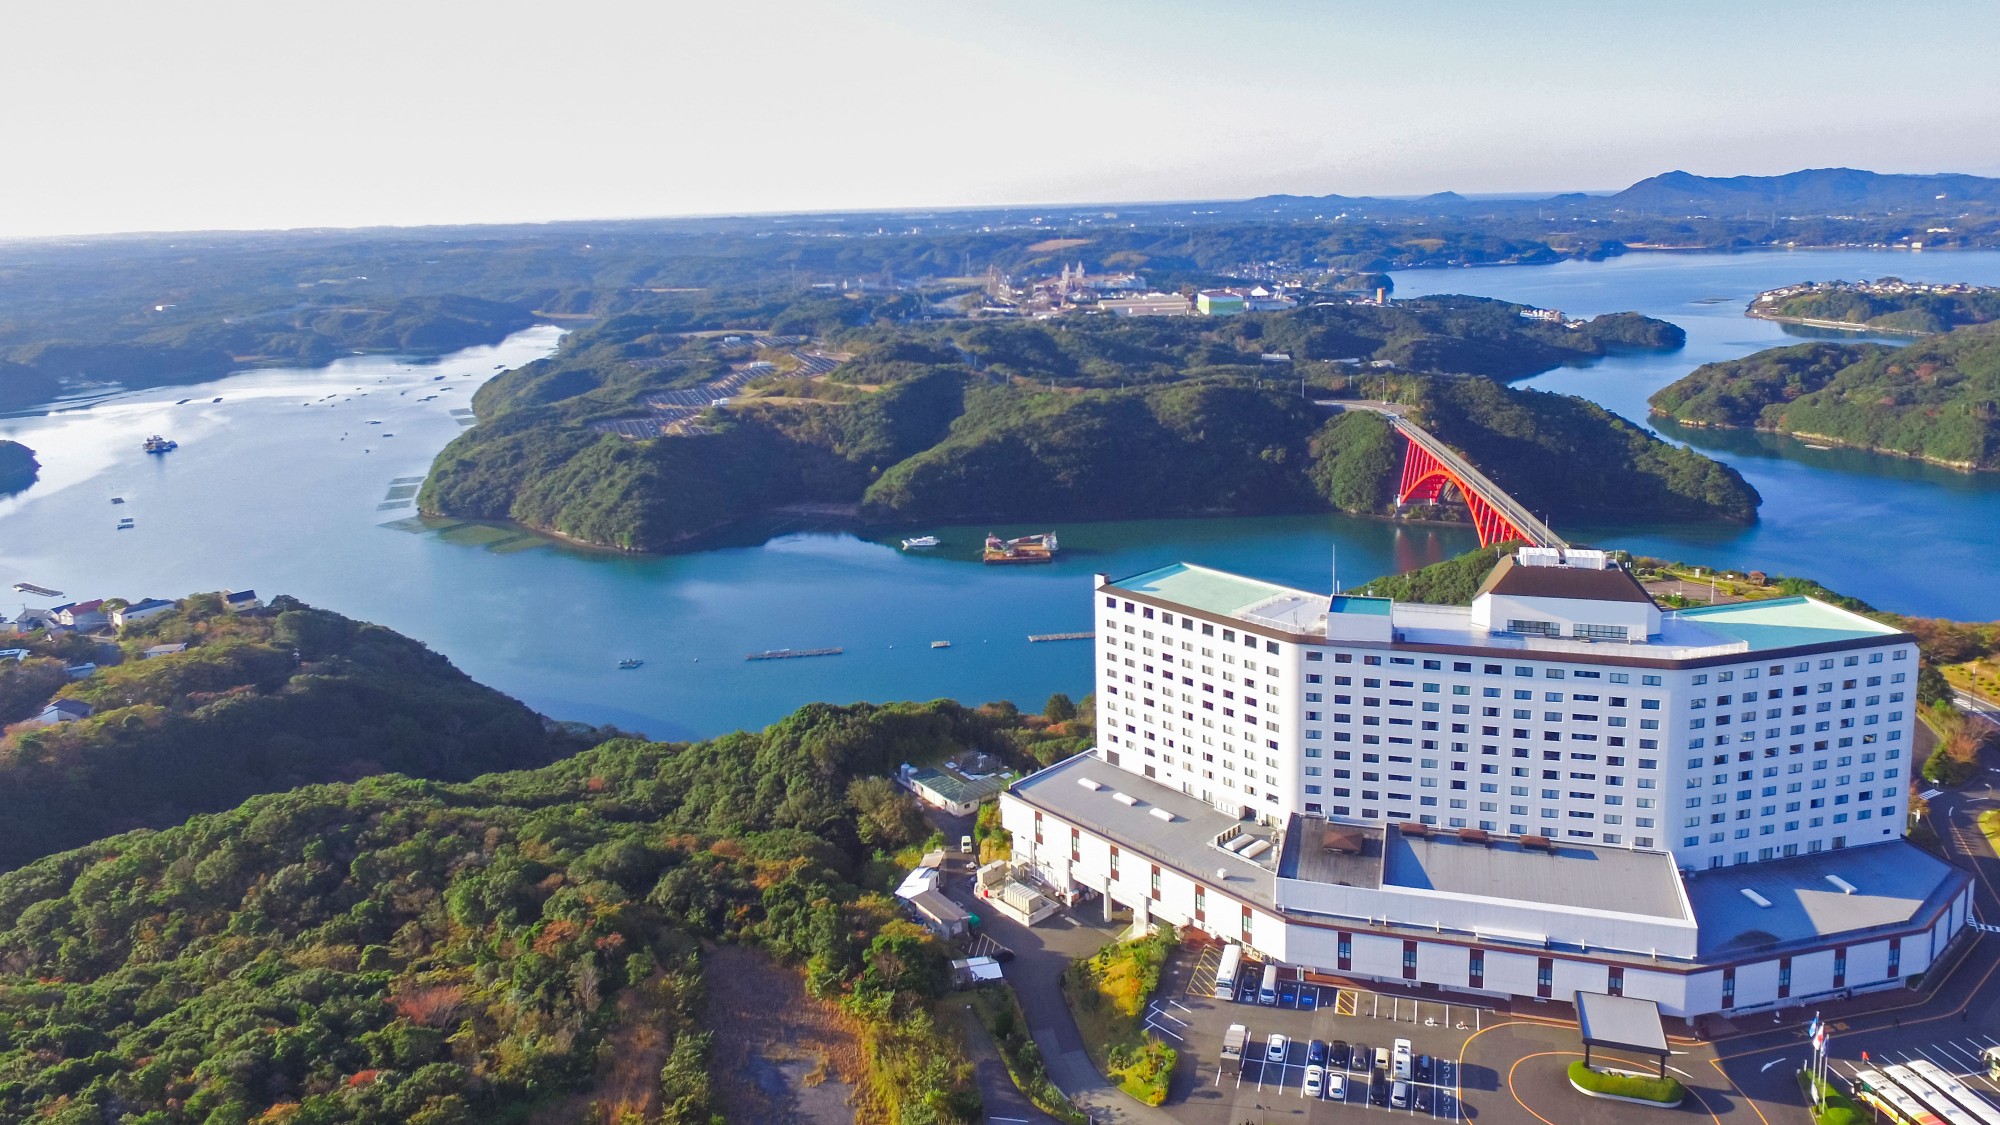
139	611
63	711
82	616
236	601
163	650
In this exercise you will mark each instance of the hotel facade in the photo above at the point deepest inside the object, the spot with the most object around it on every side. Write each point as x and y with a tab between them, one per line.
1563	784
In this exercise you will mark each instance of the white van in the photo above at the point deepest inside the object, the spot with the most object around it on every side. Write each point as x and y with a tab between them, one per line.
1403	1060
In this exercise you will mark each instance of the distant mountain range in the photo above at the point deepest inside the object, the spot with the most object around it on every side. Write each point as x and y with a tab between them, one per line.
1844	191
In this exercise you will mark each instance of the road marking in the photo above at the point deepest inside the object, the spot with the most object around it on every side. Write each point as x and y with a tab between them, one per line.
1769	1065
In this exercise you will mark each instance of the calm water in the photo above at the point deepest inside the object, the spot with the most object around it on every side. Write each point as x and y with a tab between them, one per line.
265	493
1897	533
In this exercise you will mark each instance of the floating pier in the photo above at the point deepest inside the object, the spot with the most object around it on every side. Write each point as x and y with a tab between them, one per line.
1038	638
790	653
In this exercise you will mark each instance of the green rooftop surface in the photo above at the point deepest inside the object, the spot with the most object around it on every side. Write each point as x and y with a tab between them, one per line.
962	790
1784	622
1198	587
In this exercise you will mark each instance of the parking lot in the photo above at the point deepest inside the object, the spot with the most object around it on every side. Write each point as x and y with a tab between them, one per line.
1351	1023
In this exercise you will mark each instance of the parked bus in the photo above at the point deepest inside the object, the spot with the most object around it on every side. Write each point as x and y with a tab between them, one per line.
1268	994
1875	1089
1941	1108
1225	974
1948	1085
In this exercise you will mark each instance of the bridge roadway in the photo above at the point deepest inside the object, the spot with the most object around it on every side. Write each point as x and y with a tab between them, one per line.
1539	533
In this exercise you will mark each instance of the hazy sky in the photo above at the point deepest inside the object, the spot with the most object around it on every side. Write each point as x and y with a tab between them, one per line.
209	113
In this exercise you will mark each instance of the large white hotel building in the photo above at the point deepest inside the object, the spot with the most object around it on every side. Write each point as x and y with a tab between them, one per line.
1713	785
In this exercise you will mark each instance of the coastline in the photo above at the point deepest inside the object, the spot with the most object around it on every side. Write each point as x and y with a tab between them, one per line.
1836	325
1967	467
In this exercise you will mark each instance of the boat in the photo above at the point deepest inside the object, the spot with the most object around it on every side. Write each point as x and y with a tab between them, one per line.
630	663
920	542
1027	549
38	591
184	402
158	444
940	644
117	499
218	398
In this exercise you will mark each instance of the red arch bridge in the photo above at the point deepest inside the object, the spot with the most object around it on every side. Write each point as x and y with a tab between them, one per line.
1429	466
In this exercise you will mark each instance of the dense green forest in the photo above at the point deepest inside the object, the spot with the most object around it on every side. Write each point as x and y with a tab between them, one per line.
1451	582
402	951
1090	417
18	467
1919	312
257	702
1937	399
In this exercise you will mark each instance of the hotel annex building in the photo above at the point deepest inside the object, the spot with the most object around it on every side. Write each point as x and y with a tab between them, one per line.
1559	787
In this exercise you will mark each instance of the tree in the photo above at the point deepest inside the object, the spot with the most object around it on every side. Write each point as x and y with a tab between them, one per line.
885	816
1059	709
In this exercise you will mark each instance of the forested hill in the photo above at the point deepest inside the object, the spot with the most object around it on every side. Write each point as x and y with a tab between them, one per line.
523	947
1081	418
1937	399
257	702
18	467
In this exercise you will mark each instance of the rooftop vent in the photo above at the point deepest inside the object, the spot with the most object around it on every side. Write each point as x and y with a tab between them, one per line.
1846	887
1753	896
1162	814
1542	842
1413	827
1475	836
1125	798
1089	784
1256	848
1238	843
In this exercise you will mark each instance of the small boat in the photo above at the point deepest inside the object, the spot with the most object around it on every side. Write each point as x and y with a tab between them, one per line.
158	444
630	663
184	402
940	644
217	398
1810	445
920	542
117	499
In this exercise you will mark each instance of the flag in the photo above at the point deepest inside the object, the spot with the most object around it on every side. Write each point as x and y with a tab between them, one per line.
1812	1029
1819	1040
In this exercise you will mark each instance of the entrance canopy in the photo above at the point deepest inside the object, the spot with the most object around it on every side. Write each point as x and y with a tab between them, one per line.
1621	1023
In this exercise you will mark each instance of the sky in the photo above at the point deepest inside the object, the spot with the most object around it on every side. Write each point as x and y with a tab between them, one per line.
219	114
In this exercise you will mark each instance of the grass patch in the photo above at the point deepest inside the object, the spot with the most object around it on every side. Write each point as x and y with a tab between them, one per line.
1666	1091
1000	1010
1107	994
1840	1109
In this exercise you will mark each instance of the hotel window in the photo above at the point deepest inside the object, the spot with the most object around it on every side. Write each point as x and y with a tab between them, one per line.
1200	903
1895	955
1545	977
1409	960
1840	966
1155	887
1246	925
1614	981
1784	977
1475	968
1729	987
1344	950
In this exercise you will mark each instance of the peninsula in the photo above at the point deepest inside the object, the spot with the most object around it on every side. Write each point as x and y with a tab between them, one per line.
18	467
1889	304
1936	400
636	438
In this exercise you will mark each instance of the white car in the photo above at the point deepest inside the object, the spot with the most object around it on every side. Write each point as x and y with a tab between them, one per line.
1336	1087
1315	1082
1274	1048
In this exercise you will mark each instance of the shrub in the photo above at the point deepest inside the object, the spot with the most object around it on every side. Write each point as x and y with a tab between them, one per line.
1666	1091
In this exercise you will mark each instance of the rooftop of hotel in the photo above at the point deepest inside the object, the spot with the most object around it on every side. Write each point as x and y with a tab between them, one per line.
1568	876
1144	815
1687	634
1891	883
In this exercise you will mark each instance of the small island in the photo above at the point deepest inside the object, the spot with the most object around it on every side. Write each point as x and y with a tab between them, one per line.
18	467
639	438
1889	304
1937	400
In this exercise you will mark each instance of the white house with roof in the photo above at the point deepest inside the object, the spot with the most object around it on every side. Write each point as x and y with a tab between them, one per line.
236	601
140	611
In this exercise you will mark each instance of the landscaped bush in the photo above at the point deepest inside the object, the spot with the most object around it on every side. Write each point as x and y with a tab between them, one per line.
1666	1091
1107	994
